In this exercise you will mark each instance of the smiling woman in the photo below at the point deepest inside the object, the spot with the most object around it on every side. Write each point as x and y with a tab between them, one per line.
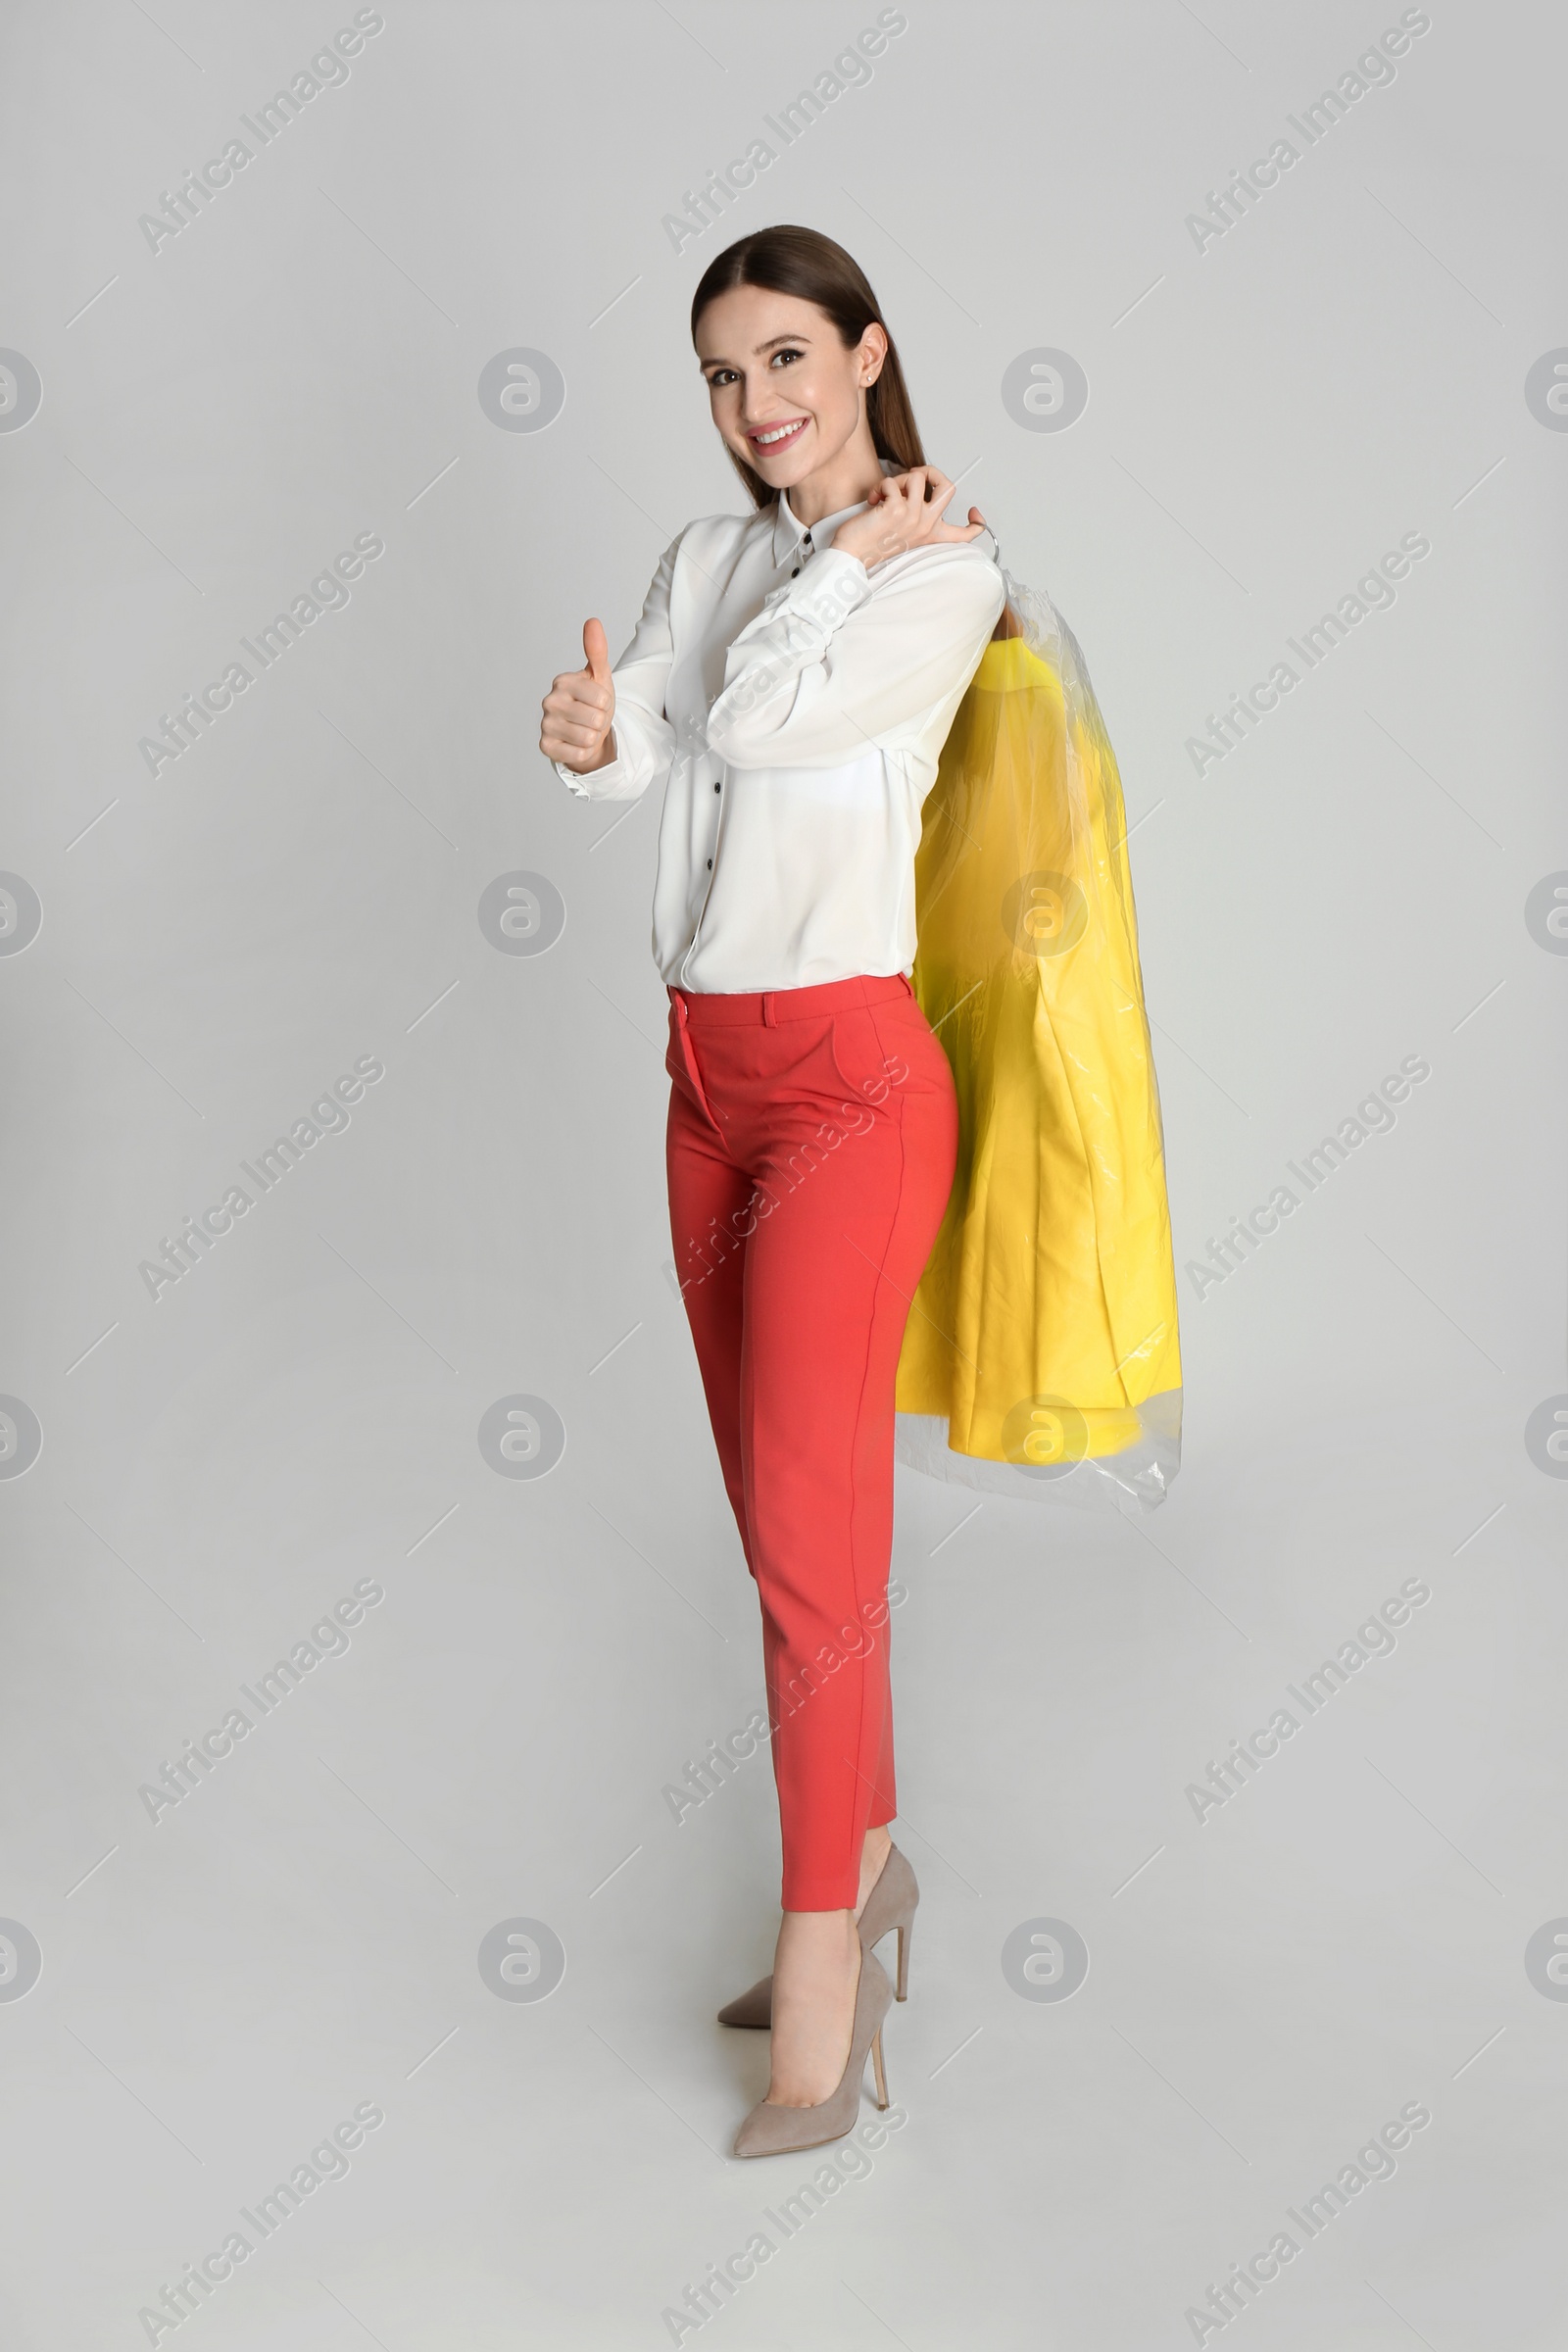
790	684
893	904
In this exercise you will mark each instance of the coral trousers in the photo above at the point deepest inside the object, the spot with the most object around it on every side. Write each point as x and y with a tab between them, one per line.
812	1142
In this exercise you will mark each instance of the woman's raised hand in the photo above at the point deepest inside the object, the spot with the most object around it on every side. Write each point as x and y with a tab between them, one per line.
579	709
906	513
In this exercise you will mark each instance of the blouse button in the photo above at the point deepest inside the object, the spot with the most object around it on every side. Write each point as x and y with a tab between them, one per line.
718	788
710	865
796	573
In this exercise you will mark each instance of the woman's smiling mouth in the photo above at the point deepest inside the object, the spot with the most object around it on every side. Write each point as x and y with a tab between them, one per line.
770	440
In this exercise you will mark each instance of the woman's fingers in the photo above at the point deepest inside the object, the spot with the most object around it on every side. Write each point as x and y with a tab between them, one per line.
908	508
579	700
927	489
576	733
573	732
962	531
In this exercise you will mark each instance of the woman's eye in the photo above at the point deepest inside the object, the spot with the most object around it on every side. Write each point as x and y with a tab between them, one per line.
785	355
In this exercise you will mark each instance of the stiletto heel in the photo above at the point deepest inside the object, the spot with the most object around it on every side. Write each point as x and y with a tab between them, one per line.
890	1904
773	2131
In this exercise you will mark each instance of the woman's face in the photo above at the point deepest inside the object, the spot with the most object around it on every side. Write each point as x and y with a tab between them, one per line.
785	395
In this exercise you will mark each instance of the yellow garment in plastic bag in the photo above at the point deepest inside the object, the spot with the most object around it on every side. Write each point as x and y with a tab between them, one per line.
1041	1356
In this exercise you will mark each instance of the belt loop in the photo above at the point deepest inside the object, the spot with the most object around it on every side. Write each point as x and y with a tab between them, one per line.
769	1015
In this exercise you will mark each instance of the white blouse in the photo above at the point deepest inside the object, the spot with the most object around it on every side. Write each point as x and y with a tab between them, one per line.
795	706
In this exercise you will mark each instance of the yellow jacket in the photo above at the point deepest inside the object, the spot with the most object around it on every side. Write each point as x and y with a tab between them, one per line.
1041	1356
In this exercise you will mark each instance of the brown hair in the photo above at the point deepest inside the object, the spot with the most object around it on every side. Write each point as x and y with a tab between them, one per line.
803	262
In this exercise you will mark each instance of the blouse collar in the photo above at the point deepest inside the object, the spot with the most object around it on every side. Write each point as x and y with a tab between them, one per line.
789	530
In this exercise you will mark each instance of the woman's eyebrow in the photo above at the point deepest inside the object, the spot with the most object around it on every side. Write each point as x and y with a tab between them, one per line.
772	344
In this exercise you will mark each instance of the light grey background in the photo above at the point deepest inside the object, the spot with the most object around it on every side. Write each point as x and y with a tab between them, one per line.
301	1411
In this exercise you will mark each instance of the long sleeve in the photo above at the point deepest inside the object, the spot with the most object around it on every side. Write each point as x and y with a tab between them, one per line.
645	740
793	721
839	662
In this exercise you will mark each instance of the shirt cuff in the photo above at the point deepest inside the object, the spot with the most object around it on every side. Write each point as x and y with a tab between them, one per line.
613	772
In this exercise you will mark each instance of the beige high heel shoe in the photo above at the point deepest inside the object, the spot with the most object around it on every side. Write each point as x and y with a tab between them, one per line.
772	2131
890	1904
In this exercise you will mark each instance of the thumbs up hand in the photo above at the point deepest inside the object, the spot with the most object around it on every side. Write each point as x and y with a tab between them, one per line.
579	709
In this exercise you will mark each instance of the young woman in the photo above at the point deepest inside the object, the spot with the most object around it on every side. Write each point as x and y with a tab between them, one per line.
790	684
